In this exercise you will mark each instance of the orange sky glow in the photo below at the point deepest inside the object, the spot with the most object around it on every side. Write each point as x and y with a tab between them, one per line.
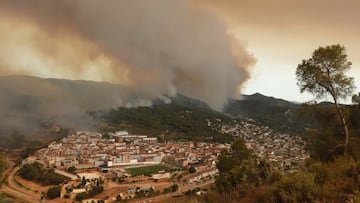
280	33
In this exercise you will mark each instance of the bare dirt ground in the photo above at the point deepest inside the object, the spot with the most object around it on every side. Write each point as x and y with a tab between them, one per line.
112	189
32	186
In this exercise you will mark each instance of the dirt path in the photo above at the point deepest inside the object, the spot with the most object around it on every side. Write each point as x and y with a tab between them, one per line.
165	197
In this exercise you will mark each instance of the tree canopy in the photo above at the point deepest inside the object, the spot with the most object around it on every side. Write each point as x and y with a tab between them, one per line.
38	173
323	75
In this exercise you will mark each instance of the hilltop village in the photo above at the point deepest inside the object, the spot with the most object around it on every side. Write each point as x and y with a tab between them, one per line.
121	158
286	152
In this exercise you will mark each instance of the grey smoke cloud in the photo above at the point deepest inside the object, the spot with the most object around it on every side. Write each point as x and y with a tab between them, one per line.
26	102
153	49
156	47
180	47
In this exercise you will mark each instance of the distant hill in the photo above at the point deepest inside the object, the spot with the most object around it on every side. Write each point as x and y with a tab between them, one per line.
190	117
30	106
189	102
270	101
274	112
182	118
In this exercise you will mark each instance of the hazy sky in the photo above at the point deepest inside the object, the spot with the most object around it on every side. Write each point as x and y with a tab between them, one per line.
201	48
280	33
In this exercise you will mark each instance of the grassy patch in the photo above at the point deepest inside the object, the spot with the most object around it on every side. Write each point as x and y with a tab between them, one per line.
148	170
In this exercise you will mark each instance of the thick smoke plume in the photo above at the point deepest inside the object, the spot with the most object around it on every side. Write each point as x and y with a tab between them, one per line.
26	102
159	46
153	48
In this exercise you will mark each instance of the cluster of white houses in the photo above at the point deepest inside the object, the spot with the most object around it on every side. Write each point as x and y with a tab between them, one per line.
85	150
285	151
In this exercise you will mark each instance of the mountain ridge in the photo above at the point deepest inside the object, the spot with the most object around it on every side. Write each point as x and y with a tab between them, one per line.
27	102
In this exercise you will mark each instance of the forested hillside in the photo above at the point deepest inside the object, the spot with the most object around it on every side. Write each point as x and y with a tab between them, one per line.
279	114
176	120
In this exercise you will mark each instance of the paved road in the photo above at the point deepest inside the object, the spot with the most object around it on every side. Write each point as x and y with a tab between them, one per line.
12	188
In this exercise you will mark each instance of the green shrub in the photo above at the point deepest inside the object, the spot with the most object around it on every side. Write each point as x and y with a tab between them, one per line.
36	172
298	187
53	192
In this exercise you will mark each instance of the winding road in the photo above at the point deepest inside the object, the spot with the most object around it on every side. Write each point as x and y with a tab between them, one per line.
12	188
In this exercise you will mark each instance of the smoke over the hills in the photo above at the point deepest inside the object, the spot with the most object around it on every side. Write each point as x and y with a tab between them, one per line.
153	48
159	47
26	102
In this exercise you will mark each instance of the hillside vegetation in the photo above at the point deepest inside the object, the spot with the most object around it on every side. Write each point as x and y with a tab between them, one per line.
38	173
276	113
148	170
324	133
173	121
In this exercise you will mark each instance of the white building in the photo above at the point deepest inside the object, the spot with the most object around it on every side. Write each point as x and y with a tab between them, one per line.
88	176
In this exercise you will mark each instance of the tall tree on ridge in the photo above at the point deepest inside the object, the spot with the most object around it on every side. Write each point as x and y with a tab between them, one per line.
324	75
